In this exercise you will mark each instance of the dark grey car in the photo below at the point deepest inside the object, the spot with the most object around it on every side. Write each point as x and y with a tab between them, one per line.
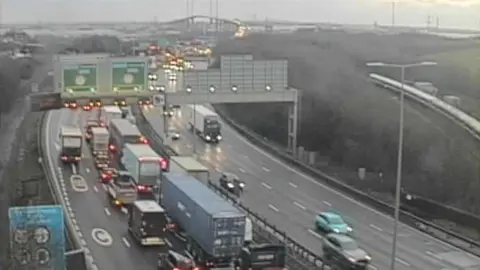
343	251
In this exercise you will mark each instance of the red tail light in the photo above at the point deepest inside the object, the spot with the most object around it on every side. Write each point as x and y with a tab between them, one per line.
104	176
170	226
176	268
112	147
102	124
143	140
164	163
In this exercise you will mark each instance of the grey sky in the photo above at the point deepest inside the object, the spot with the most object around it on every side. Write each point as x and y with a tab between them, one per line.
412	12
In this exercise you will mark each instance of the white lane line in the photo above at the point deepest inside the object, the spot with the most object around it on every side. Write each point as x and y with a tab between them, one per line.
433	255
265	169
125	241
124	210
327	203
300	206
95	188
104	187
293	185
273	208
74	169
107	211
241	170
87	170
168	242
402	261
266	186
376	227
314	233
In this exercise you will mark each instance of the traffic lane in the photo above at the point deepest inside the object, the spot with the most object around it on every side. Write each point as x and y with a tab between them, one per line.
305	203
118	217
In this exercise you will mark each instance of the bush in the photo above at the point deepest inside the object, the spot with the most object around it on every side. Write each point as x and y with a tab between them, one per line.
344	117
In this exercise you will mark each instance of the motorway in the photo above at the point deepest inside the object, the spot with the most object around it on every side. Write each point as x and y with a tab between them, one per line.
290	199
101	226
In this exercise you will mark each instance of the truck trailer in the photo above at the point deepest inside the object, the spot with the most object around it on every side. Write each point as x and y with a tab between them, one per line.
148	224
191	166
71	139
99	145
205	123
143	163
108	113
214	229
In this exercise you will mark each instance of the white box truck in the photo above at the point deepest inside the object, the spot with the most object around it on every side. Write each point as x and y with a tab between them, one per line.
99	146
108	113
144	164
190	166
204	122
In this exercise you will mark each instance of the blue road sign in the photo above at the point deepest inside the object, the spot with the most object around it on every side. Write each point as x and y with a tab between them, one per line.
37	237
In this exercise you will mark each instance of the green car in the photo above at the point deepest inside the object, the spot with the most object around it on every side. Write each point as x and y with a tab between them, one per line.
332	223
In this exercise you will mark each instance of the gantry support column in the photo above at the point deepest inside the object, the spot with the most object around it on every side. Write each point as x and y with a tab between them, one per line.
293	124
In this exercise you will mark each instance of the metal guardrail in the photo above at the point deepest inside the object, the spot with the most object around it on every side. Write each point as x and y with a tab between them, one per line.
406	217
299	256
76	258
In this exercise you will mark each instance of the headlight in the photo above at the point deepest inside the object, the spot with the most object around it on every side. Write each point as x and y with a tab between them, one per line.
352	260
242	185
230	185
336	230
349	229
208	138
368	257
219	137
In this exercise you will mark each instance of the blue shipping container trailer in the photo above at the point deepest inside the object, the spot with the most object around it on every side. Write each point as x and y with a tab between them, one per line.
215	229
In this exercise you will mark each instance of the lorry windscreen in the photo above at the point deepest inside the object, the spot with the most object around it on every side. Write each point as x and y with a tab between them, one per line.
72	142
155	223
131	139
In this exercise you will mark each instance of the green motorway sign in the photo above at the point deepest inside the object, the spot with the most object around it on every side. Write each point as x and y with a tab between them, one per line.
129	76
80	78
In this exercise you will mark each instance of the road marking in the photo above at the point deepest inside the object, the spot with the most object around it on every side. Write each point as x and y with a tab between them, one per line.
265	169
74	169
376	227
125	241
104	187
78	183
402	261
266	186
273	208
87	170
293	185
168	242
102	237
124	210
107	211
300	205
241	170
314	233
327	203
95	188
433	255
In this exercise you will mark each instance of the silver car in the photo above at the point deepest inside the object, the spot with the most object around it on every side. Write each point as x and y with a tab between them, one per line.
343	251
173	134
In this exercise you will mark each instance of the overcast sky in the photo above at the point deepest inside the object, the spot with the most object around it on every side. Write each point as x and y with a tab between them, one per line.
451	13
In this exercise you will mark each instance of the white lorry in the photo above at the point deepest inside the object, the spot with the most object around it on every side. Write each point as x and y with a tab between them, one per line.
190	166
71	144
204	122
108	113
143	164
99	144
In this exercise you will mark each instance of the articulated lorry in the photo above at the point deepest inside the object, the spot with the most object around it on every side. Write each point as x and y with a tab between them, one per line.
71	139
191	166
205	123
214	229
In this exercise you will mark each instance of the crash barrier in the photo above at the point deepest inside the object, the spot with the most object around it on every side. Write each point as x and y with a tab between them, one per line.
430	228
299	256
75	258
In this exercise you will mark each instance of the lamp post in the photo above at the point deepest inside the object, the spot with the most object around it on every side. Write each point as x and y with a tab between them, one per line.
402	67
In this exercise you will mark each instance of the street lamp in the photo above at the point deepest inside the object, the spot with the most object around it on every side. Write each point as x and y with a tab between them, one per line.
211	89
268	88
234	88
398	187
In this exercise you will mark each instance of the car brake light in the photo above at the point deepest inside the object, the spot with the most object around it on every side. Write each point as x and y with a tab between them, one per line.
73	105
196	268
141	188
111	147
104	176
176	268
163	163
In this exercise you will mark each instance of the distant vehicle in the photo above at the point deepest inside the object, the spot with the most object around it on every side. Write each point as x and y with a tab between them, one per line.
219	231
109	113
172	76
262	256
122	132
71	139
148	224
231	183
88	129
168	111
343	251
175	261
122	190
330	222
205	123
99	146
173	134
107	174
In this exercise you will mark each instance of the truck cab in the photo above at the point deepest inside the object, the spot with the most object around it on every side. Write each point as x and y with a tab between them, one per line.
262	256
71	139
121	189
148	224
